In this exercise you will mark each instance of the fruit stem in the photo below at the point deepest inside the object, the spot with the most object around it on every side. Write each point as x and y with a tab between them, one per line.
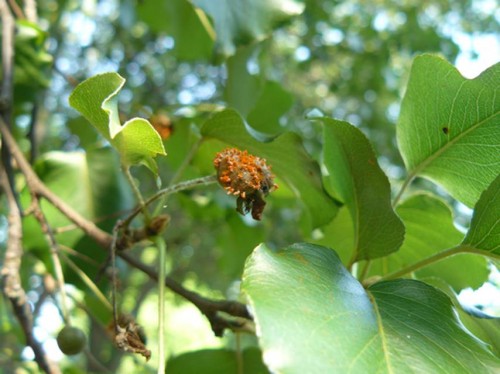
137	192
162	249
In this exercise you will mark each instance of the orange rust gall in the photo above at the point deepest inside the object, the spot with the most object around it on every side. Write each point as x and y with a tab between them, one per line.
162	124
246	176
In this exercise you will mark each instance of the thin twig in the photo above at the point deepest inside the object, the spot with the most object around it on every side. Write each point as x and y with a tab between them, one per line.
365	270
8	27
186	185
239	354
114	290
187	160
403	188
208	307
32	133
436	258
79	255
86	279
54	251
7	86
37	187
136	191
162	249
16	9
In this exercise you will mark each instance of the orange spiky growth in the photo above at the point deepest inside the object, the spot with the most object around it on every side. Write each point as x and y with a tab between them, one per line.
246	176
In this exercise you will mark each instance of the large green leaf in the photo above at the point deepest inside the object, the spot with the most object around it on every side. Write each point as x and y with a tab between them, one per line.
287	157
96	99
217	361
448	129
178	16
352	174
312	316
484	232
430	230
90	182
240	22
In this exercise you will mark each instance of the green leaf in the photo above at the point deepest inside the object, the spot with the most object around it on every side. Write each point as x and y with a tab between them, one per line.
314	317
242	88
272	103
137	141
217	361
260	101
177	16
285	154
448	127
485	328
430	230
352	174
240	22
231	261
338	234
95	98
484	231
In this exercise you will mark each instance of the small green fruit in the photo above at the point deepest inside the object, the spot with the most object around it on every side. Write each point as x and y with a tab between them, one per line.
71	340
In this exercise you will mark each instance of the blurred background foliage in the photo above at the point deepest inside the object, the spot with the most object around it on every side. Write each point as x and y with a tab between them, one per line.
275	62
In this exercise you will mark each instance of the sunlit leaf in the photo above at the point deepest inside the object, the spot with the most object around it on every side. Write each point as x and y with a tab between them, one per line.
430	230
314	317
352	174
448	129
240	22
285	154
484	232
137	141
484	327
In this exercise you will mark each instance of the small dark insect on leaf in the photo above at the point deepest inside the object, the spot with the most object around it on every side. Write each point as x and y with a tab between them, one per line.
445	130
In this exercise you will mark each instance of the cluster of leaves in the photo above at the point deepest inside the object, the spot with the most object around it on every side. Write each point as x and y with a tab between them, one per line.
348	280
451	137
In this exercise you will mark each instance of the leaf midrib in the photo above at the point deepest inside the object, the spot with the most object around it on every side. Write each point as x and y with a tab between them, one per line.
381	330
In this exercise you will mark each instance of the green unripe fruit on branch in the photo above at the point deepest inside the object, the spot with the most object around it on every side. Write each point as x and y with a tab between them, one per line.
71	340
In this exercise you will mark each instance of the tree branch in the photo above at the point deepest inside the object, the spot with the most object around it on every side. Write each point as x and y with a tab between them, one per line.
11	279
6	93
30	10
37	187
208	307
